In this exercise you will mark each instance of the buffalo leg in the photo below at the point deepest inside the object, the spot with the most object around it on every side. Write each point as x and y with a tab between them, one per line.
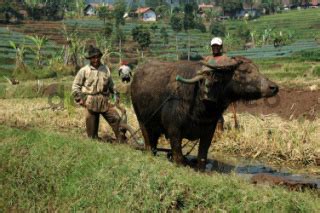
204	145
234	111
176	148
150	139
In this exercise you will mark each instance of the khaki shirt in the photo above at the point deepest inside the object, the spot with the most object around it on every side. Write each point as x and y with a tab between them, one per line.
94	86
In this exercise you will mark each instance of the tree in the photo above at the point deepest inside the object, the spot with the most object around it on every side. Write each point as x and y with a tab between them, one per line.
50	9
54	9
176	23
154	28
200	25
217	29
163	11
243	31
142	36
108	29
164	35
188	20
104	13
211	15
155	3
119	35
9	12
270	6
230	6
119	11
135	32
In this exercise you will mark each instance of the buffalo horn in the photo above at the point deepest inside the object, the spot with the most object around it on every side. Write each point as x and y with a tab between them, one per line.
189	81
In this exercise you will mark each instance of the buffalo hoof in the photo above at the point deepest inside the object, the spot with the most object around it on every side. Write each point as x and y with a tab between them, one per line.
201	167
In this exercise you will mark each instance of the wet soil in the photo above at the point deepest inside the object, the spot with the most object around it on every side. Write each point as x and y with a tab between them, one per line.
288	104
257	173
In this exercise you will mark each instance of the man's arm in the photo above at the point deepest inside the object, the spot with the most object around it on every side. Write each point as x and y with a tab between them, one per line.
77	85
113	91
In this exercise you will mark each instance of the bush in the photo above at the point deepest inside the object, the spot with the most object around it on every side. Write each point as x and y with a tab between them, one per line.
200	26
243	32
308	55
193	56
316	71
218	29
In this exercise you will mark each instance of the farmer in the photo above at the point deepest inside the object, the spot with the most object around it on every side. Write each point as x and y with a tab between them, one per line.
217	51
91	89
217	56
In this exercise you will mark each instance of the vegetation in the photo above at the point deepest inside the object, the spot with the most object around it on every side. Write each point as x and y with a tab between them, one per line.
104	13
10	12
141	35
218	29
45	171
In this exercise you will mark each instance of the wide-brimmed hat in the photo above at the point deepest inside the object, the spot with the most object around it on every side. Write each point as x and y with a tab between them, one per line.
93	51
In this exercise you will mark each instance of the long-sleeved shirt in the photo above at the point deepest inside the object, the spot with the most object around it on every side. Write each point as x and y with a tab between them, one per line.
93	86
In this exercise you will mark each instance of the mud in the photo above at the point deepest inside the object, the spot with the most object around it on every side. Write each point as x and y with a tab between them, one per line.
288	104
258	173
293	185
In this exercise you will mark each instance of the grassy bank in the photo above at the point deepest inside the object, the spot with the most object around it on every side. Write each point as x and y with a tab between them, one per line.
271	138
44	171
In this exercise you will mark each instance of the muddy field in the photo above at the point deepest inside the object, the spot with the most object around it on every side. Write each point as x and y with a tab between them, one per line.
289	104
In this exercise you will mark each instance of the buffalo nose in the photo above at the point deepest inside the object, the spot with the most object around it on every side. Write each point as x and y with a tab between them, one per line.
274	89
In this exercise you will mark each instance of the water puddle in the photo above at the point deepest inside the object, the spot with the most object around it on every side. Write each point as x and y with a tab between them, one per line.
256	172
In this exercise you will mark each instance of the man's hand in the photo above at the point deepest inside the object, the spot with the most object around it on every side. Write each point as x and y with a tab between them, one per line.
81	102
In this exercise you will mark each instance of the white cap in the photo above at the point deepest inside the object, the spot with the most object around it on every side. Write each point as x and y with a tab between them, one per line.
216	40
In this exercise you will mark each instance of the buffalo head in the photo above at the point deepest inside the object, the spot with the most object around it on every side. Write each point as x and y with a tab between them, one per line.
241	79
248	83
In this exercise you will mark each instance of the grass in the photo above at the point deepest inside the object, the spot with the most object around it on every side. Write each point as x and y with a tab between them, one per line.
300	70
45	171
305	23
270	139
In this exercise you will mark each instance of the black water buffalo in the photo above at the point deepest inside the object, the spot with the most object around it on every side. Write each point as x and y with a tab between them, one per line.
190	106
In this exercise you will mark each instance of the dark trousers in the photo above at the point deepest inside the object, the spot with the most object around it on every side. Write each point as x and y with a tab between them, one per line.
92	122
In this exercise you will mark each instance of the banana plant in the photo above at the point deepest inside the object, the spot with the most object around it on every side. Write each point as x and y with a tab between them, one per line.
74	49
103	43
20	54
39	43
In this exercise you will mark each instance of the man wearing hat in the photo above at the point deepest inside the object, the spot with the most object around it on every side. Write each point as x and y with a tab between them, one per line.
217	51
92	88
217	58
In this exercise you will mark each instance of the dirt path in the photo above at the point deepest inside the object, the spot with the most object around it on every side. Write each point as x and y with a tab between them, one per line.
288	104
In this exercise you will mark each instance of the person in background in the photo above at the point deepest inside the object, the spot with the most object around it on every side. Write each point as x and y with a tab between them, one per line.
125	72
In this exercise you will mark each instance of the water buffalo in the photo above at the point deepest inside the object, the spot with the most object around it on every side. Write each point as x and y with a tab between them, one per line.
190	106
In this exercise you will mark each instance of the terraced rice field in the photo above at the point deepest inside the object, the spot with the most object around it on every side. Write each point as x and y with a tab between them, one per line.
304	24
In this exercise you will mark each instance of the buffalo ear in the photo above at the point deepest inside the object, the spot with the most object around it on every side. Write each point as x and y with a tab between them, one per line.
241	59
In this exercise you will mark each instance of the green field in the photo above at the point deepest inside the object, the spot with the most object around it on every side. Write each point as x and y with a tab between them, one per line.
45	171
303	24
